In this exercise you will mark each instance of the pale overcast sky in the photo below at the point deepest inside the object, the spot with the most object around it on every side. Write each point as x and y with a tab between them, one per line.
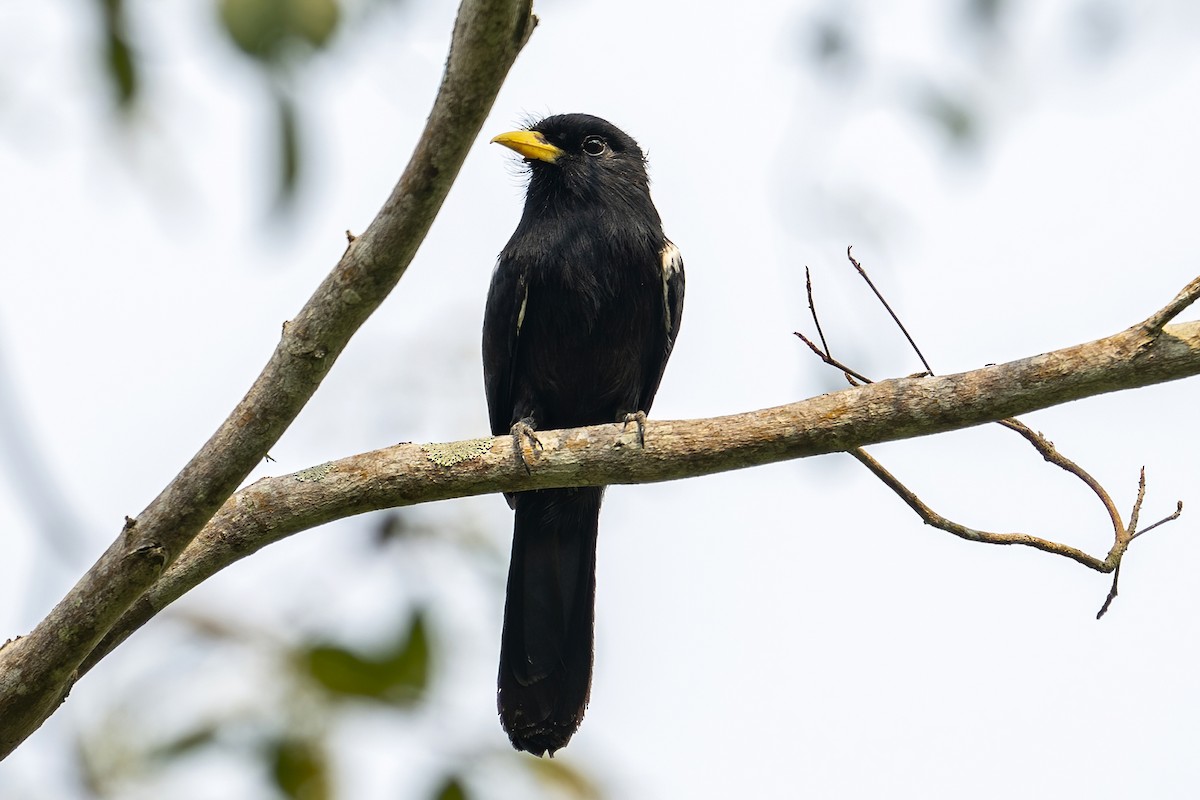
790	631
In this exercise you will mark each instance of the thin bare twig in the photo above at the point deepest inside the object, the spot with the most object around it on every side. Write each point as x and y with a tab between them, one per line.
936	520
1050	453
1137	504
895	318
1169	518
1112	592
812	309
854	378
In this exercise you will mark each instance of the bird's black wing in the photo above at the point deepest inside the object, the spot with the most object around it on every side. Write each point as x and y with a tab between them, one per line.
502	318
671	263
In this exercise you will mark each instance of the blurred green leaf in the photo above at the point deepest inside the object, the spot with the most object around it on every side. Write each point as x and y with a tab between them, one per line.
398	675
314	21
257	27
451	789
299	768
344	672
409	657
119	60
559	776
121	70
266	30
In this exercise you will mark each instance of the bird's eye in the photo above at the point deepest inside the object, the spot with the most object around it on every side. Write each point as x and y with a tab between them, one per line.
594	145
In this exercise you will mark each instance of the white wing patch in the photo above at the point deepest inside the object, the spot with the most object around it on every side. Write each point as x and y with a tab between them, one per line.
521	313
672	262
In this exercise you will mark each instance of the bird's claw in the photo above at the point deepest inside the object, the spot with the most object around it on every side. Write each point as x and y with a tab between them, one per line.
640	418
523	429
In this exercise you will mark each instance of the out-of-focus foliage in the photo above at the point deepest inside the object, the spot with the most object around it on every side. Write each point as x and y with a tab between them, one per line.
837	41
398	675
118	55
279	36
306	689
563	780
299	768
452	789
274	30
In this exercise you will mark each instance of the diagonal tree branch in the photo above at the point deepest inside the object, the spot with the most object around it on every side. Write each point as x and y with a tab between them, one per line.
36	671
407	474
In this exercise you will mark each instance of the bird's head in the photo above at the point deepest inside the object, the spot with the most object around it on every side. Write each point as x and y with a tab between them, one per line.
580	157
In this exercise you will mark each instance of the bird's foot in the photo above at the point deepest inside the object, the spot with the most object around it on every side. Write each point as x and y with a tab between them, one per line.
523	429
640	418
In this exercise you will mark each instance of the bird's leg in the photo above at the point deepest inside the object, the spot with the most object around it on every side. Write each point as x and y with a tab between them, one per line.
524	429
640	418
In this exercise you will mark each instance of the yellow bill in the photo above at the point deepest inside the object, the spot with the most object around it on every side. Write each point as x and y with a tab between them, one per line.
530	144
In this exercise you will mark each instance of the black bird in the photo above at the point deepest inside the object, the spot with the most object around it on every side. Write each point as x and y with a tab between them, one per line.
581	317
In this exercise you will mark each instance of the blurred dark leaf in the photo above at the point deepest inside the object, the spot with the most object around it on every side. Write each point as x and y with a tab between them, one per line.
398	675
122	71
451	789
118	55
951	114
185	744
299	768
829	41
562	778
1099	28
289	151
391	525
985	15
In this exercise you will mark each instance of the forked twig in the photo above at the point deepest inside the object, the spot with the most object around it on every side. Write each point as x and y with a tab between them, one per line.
1123	534
1133	534
1187	295
823	352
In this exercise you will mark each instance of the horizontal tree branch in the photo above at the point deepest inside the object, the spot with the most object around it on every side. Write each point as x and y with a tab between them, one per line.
37	670
902	408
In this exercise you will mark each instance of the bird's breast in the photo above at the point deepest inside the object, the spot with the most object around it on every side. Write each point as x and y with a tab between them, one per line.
588	332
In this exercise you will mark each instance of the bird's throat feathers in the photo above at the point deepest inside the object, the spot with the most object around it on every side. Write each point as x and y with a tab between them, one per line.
565	189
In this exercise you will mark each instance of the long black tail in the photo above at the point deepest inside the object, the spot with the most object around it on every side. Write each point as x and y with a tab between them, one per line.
546	647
